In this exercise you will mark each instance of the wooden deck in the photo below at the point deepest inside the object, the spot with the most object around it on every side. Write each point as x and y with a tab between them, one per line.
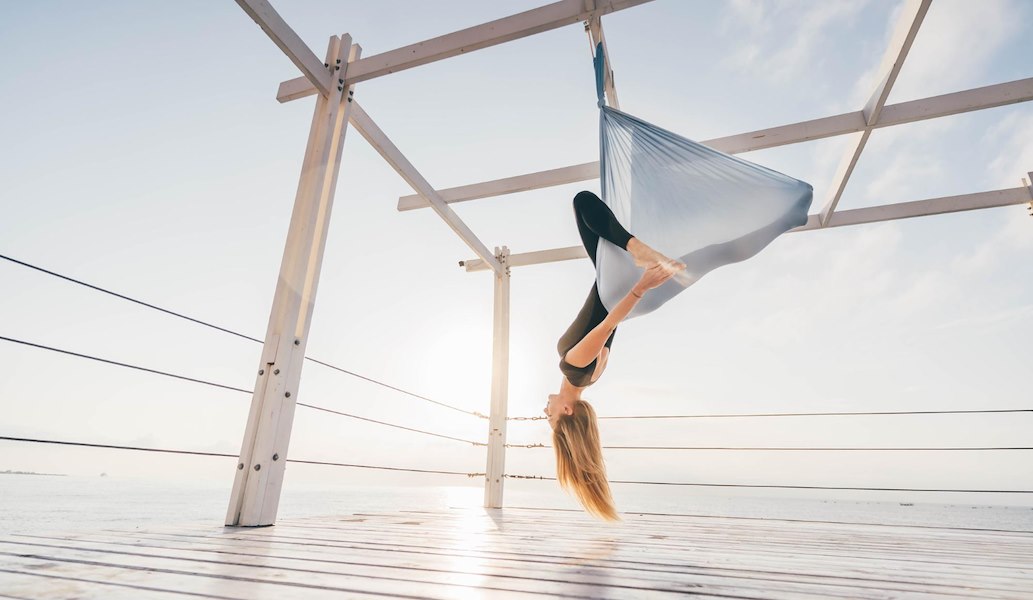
515	553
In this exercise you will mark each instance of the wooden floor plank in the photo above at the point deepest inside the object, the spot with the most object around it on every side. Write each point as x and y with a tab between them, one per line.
368	580
676	524
595	584
532	572
56	580
935	568
845	547
532	553
740	520
556	548
1021	541
858	539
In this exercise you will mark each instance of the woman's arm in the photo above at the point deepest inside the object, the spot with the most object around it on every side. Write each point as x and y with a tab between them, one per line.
585	351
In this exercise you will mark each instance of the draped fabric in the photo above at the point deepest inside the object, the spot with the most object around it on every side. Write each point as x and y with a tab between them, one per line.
686	200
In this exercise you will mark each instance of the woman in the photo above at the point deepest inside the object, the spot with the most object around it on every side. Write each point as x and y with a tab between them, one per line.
584	350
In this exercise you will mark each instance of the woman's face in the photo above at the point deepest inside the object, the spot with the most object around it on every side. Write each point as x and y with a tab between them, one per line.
556	407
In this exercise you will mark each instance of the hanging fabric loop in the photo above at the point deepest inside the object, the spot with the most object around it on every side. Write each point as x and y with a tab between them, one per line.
600	75
686	200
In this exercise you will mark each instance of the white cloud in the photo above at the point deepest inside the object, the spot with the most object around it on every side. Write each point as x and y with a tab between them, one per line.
1013	136
958	38
768	55
1013	239
990	319
751	12
902	179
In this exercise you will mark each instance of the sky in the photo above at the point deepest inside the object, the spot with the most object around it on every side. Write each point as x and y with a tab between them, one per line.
144	151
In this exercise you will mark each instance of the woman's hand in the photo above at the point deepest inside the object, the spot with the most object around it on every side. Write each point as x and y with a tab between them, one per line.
656	275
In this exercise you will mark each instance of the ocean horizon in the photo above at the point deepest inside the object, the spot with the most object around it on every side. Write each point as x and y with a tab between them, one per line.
42	503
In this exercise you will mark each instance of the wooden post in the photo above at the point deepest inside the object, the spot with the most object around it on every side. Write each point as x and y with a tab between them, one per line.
495	472
263	453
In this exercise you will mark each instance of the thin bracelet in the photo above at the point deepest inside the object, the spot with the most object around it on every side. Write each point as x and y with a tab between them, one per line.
635	295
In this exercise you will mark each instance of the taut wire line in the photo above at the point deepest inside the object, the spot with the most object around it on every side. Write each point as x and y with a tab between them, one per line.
793	487
794	448
803	414
222	454
232	332
226	387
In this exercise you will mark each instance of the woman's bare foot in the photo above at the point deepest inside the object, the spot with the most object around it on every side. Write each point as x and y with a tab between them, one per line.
645	257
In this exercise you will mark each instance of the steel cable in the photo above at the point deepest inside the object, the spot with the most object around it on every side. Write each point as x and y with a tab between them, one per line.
221	454
792	487
227	387
235	333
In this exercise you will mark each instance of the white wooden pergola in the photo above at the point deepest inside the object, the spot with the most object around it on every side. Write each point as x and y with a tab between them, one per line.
256	488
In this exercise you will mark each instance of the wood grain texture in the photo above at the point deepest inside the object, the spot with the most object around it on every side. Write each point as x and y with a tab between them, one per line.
521	553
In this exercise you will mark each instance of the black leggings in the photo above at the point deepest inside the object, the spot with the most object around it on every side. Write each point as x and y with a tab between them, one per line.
594	220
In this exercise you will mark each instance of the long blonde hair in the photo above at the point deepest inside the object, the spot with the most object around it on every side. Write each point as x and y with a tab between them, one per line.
579	461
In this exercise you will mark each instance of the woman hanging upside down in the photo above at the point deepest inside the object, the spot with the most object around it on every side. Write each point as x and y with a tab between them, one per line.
584	350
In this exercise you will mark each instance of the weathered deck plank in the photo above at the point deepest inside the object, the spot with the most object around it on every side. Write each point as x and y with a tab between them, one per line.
518	553
535	568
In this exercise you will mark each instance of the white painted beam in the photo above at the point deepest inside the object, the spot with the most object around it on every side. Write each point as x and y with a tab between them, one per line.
1001	94
923	208
531	258
394	157
495	470
856	216
258	479
508	185
990	96
910	22
794	133
537	20
317	76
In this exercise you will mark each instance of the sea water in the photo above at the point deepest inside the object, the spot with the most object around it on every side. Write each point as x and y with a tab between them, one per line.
37	503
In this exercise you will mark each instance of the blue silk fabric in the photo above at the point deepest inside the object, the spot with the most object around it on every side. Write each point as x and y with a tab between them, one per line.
686	200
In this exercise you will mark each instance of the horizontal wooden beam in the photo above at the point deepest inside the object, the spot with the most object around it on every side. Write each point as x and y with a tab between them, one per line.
990	96
923	208
394	157
317	76
508	185
493	33
531	258
856	216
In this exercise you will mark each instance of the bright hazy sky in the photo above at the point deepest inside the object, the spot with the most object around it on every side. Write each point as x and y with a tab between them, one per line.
143	150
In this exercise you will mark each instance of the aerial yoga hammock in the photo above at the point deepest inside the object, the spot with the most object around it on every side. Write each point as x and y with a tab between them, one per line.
700	206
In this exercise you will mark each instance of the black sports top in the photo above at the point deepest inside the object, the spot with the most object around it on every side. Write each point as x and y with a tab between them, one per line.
578	376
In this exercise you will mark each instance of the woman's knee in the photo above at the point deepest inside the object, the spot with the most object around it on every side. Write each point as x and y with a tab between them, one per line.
583	198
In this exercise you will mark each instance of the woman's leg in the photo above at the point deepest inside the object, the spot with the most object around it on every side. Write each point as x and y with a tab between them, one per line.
595	220
592	313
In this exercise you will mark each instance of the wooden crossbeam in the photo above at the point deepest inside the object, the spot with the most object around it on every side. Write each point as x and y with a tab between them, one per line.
990	96
493	33
317	76
394	157
857	216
